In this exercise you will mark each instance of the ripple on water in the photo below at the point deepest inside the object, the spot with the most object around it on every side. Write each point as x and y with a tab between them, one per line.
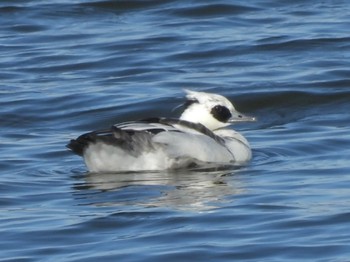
68	67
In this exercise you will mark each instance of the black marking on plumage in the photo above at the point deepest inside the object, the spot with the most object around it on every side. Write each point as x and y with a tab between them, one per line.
78	145
221	113
189	102
136	141
195	126
132	141
150	120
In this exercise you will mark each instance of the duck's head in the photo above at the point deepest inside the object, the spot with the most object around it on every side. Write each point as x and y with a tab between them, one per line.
211	110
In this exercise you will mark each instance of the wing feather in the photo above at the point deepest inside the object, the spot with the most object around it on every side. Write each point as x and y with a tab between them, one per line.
136	136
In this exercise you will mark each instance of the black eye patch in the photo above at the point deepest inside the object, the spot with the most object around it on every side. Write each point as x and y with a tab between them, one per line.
221	113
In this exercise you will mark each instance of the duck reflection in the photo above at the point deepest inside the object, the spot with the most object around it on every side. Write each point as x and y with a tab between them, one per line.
186	189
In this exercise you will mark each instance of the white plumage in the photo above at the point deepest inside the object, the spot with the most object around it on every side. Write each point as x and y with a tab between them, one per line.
197	138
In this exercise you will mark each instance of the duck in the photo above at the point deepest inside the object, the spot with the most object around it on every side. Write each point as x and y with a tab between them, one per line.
198	138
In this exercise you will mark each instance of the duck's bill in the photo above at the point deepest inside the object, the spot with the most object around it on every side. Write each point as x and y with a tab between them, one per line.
241	118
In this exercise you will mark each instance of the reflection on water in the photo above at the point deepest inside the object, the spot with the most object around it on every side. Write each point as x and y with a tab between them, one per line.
186	190
68	67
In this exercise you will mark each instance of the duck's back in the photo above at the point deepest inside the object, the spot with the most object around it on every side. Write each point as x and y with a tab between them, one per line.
152	144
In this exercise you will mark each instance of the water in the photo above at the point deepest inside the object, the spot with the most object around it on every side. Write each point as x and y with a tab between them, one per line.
68	67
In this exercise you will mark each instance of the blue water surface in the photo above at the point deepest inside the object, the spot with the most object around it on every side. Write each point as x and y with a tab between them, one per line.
68	67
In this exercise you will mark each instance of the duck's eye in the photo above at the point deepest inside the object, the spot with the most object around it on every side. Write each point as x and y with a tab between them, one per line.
221	113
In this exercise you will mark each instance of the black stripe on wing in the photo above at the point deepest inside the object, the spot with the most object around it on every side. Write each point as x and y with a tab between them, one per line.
79	144
195	126
134	141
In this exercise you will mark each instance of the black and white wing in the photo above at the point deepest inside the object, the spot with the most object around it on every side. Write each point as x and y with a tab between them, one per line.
137	135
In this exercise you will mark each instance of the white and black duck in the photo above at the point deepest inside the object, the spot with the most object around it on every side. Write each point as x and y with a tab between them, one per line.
197	138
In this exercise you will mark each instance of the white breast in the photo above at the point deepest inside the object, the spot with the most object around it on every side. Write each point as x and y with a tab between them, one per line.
237	144
194	146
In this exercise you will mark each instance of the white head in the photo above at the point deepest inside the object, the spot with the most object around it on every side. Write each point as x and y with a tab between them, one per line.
211	110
